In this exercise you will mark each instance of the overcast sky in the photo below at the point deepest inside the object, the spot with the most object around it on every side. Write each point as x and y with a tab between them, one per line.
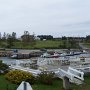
54	17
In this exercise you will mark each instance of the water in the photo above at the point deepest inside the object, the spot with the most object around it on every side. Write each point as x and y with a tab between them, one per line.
10	61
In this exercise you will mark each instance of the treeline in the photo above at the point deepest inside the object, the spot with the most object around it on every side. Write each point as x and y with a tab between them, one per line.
27	37
45	37
8	40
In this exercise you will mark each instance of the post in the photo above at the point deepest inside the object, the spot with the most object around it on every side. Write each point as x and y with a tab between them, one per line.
66	83
25	85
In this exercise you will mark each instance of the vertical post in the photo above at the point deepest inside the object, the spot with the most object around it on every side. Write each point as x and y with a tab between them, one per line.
25	86
66	83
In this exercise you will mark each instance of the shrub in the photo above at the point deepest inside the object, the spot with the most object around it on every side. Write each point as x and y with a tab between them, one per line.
17	76
46	77
3	68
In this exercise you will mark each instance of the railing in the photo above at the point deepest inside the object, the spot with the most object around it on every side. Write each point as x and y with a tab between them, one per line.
74	75
34	72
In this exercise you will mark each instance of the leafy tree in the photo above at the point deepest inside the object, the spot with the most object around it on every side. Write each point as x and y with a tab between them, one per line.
27	38
9	41
64	38
88	38
47	37
14	36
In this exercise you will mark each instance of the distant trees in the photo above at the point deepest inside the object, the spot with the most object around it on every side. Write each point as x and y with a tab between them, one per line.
88	38
73	43
13	35
70	42
11	38
4	36
47	37
7	40
64	38
27	38
10	41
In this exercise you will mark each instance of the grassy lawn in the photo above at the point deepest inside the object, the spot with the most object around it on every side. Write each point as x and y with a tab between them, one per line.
87	45
47	44
5	85
57	85
39	44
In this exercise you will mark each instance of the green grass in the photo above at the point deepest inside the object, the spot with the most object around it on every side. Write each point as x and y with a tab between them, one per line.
6	85
47	44
84	86
87	45
57	85
39	44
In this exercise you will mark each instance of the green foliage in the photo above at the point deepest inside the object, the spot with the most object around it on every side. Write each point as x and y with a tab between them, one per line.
10	41
46	77
57	85
17	76
48	44
88	39
3	67
28	39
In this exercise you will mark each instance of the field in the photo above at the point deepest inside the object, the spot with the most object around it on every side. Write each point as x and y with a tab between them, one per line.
39	44
48	44
87	45
57	85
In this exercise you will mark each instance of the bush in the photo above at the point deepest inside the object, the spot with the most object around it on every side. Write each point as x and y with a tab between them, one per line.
17	76
3	68
46	77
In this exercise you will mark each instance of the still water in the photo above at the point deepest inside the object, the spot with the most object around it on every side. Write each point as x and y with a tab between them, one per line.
10	61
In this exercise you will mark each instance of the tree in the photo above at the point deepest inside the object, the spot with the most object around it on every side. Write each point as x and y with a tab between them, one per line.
27	38
64	38
4	36
47	37
10	41
14	35
73	43
88	38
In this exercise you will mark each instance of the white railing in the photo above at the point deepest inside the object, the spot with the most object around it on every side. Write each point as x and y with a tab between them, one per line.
34	72
47	61
74	75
